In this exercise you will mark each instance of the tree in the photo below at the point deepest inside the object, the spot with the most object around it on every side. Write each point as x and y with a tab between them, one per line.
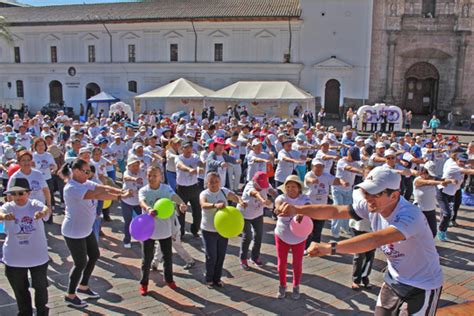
4	31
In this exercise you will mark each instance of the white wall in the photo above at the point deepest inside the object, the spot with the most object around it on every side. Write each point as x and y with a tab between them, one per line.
344	31
252	51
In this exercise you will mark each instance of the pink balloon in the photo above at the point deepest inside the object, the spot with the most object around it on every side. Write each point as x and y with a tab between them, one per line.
302	229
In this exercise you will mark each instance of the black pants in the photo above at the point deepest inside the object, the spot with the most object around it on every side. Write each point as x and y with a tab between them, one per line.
382	127
407	187
85	253
431	219
50	183
362	263
391	127
58	186
457	204
315	236
190	194
18	279
148	250
256	225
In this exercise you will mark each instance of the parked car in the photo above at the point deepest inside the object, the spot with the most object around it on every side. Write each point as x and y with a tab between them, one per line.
52	110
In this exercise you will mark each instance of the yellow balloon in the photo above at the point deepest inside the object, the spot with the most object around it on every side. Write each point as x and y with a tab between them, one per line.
107	204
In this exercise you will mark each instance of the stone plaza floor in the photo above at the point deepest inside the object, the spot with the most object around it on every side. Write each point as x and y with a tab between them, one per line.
325	284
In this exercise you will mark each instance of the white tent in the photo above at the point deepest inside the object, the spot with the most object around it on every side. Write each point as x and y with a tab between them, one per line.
178	95
271	97
121	107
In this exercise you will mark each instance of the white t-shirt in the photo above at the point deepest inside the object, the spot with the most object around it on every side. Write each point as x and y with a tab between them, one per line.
100	166
207	222
327	163
118	151
80	214
142	180
318	192
43	162
25	245
285	168
413	261
163	227
451	170
425	196
254	166
282	228
185	178
36	181
346	175
254	207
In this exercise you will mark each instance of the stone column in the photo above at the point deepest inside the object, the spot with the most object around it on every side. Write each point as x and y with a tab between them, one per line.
462	46
391	43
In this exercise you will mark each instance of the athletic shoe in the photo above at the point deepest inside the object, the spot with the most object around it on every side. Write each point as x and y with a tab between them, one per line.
442	236
244	264
154	265
172	285
143	290
89	293
189	265
296	293
219	284
128	246
306	253
75	302
281	292
454	224
257	262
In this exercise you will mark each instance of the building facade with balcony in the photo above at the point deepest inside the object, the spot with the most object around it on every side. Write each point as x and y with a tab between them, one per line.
421	57
70	53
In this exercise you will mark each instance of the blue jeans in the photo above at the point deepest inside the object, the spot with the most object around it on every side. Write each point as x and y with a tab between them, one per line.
340	197
216	247
171	179
127	213
121	165
111	174
446	204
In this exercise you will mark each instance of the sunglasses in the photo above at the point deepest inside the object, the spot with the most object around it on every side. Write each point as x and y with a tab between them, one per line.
390	158
86	171
17	193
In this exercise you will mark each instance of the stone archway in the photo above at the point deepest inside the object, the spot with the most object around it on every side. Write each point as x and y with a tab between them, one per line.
92	89
332	95
421	88
56	92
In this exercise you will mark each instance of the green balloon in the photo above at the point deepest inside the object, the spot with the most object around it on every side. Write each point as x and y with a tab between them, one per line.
164	208
229	222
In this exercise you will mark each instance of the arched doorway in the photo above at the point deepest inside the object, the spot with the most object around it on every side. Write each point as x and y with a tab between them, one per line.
332	94
92	89
421	88
56	92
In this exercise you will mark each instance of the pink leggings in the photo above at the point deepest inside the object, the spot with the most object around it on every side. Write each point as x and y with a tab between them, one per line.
297	253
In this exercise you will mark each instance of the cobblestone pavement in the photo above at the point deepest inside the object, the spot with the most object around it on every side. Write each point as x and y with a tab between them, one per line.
325	289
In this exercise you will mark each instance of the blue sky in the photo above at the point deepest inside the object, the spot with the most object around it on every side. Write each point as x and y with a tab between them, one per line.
59	2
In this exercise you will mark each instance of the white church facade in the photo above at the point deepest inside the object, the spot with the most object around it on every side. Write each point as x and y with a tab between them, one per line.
70	53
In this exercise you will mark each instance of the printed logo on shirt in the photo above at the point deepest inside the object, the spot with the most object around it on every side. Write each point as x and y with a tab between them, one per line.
35	185
26	228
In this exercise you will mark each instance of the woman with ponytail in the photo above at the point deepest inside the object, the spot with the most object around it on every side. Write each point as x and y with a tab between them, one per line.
80	197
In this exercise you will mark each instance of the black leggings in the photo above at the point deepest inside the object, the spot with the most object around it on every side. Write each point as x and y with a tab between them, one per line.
457	204
148	250
431	219
81	250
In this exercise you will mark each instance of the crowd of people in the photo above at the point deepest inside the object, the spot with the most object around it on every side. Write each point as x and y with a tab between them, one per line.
378	191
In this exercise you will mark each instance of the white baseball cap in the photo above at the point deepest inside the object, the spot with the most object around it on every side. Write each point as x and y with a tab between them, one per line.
430	167
379	180
256	142
317	161
390	152
380	145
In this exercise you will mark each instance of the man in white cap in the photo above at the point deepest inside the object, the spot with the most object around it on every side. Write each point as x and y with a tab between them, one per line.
414	278
257	159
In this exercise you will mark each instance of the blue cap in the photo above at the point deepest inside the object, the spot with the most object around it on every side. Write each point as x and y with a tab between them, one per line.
102	139
11	135
103	128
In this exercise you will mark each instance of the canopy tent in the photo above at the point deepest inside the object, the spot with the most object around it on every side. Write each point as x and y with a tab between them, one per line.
278	97
179	95
120	107
101	101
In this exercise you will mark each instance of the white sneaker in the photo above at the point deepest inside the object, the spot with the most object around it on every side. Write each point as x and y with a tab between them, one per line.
128	246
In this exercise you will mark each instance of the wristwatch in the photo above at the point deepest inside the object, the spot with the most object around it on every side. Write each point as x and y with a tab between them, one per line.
333	248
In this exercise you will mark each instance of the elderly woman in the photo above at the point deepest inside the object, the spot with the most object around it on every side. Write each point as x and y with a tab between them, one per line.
285	240
212	199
